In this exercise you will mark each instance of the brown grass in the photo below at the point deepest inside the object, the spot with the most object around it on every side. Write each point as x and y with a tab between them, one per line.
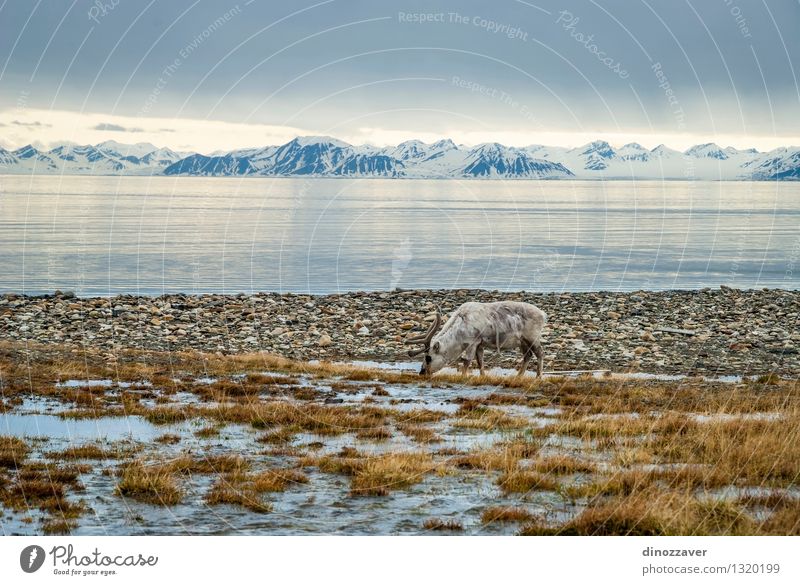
653	512
92	451
224	491
58	526
378	475
205	464
442	525
506	514
375	434
503	456
13	452
277	480
207	432
524	480
419	433
488	419
281	436
149	484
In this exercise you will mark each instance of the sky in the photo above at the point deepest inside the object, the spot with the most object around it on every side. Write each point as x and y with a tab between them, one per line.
206	76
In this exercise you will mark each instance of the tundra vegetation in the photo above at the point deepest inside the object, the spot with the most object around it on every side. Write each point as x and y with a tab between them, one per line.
253	432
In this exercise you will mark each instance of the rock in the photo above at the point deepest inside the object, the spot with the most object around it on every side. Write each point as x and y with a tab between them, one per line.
324	341
363	331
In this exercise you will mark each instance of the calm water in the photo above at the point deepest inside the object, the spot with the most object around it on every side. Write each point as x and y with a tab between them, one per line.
154	235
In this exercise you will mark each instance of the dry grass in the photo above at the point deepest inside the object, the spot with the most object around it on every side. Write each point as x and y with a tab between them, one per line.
506	514
92	451
503	456
58	526
225	491
277	480
281	436
348	462
207	432
563	465
763	452
524	480
375	434
442	525
784	521
168	439
152	484
417	416
13	452
488	419
378	475
419	433
206	464
684	457
244	489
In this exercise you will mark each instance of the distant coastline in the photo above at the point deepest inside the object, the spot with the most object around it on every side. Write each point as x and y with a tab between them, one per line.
326	157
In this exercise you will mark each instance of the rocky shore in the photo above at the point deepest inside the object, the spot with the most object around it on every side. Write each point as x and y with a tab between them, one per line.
709	332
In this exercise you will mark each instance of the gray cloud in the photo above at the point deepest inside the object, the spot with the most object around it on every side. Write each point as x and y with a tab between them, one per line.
693	66
31	124
107	127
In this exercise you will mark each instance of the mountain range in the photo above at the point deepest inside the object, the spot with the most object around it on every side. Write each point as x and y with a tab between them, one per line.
322	156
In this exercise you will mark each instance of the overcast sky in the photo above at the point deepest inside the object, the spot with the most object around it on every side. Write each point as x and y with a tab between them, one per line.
207	75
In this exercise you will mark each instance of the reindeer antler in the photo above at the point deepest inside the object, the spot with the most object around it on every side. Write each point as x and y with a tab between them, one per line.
425	339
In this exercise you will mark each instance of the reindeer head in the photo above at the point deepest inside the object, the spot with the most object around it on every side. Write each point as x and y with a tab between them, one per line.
433	361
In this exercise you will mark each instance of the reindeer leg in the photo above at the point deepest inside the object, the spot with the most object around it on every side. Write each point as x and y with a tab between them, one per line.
468	356
479	358
537	349
527	354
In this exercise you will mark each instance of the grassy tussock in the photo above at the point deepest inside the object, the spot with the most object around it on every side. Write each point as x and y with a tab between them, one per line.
13	452
488	419
757	451
563	465
652	513
442	525
524	480
246	489
92	451
226	492
376	476
277	480
506	514
152	484
419	433
375	434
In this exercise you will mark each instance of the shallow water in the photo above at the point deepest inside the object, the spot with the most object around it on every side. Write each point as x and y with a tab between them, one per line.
154	235
324	505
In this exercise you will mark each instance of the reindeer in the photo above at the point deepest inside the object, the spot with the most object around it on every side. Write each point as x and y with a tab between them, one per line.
475	326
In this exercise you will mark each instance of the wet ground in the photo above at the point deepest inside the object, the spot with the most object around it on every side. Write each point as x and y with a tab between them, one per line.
326	503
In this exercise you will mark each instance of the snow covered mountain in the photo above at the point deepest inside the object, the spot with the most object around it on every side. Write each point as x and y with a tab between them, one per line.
106	158
779	164
323	156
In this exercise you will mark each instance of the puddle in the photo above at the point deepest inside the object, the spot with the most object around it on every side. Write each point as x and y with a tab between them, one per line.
107	383
80	430
414	366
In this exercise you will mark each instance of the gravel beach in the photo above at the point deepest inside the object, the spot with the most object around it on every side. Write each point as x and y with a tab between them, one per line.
712	332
